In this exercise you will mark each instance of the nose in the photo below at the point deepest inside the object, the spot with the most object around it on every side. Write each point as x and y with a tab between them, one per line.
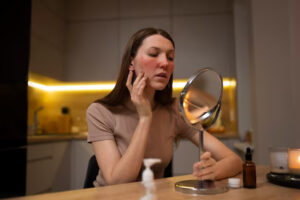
163	61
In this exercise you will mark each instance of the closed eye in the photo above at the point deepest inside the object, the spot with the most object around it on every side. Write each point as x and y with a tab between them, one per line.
153	54
170	58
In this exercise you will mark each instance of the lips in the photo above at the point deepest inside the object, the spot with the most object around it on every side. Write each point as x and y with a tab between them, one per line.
161	75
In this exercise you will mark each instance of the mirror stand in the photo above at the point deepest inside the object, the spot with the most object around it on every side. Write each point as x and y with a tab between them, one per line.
198	186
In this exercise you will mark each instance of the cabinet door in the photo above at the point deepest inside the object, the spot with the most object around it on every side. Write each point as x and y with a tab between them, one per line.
39	168
61	166
48	167
58	166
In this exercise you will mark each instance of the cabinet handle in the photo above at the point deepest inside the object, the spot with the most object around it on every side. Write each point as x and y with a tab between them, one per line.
42	158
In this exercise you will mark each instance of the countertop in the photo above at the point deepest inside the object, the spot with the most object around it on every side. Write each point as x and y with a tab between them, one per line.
165	190
44	138
34	139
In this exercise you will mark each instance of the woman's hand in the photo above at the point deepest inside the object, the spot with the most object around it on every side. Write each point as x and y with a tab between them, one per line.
138	97
206	168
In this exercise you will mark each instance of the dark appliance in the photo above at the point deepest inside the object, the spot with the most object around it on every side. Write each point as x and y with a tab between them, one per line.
15	39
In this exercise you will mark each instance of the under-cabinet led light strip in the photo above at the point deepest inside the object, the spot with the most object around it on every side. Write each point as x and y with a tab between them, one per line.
105	86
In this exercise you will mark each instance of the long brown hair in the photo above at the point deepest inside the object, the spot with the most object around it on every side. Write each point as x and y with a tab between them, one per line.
120	92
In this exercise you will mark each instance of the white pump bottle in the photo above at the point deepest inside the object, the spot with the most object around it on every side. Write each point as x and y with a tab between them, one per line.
148	177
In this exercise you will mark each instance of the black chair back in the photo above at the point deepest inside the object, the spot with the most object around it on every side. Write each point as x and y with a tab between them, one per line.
92	172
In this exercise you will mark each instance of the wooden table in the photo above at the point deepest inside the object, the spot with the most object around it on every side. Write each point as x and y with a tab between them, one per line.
165	191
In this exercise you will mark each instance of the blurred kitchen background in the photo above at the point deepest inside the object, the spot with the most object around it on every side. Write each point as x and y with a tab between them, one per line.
253	44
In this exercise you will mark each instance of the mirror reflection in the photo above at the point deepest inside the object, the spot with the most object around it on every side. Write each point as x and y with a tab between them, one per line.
200	97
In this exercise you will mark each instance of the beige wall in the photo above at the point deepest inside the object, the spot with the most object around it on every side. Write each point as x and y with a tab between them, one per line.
242	51
274	73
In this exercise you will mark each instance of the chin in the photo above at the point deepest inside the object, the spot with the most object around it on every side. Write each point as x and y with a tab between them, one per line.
159	86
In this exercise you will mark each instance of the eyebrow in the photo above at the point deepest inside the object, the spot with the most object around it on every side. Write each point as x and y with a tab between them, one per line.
157	48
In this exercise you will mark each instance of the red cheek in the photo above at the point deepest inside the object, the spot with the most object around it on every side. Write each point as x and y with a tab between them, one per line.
148	64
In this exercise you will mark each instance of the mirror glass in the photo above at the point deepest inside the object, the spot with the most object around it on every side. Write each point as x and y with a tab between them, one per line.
200	100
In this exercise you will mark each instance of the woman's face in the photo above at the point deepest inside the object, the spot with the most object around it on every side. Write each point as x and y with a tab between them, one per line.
155	58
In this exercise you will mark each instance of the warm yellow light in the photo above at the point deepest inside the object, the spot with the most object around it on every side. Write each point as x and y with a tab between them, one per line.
73	87
104	86
38	85
179	84
229	83
91	87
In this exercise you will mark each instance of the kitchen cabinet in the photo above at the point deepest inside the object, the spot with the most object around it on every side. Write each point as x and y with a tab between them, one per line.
57	166
39	170
48	167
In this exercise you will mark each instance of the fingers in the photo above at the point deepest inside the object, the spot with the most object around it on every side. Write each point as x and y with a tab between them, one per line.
205	156
138	82
138	79
137	94
205	173
129	80
140	86
137	88
206	168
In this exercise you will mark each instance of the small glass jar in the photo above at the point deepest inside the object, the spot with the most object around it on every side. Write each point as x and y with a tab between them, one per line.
278	157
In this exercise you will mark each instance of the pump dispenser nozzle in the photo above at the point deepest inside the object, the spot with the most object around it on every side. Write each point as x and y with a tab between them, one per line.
148	177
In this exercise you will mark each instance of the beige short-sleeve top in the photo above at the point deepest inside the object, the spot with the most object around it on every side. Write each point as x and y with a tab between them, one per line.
119	124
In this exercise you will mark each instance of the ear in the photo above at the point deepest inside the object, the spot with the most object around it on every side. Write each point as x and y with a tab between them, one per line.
131	65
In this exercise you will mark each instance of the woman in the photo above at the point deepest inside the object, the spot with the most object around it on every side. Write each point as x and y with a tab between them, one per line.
139	118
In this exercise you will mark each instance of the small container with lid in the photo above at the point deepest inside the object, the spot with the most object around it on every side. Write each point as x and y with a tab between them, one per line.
234	182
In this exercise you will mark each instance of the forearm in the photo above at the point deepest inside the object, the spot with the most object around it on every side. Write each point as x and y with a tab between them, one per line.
228	167
129	165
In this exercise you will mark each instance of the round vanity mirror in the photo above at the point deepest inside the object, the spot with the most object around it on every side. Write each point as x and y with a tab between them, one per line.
200	99
200	104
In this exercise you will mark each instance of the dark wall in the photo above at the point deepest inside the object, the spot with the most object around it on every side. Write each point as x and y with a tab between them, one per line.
15	39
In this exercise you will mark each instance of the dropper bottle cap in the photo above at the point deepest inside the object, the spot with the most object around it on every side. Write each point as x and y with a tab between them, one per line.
248	155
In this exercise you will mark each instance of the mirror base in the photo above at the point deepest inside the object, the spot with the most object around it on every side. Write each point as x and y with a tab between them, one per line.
200	187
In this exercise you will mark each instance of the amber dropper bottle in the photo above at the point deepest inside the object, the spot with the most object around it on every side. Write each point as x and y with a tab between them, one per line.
249	171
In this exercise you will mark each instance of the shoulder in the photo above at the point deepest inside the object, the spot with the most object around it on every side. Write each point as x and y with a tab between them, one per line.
98	111
96	107
100	122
